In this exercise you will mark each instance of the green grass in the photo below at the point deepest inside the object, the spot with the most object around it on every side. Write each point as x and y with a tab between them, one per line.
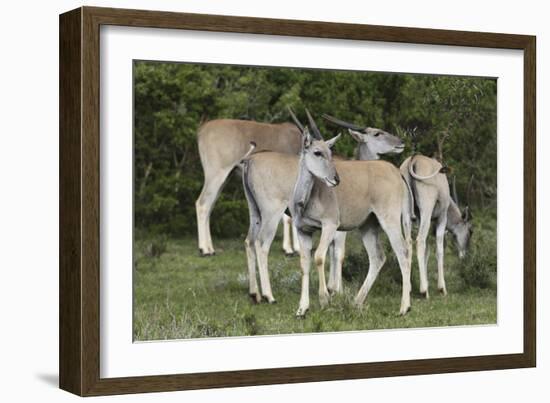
178	294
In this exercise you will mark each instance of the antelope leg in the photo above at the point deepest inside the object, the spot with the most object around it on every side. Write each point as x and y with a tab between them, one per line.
337	252
327	236
421	251
287	225
253	290
263	245
305	263
254	227
204	204
399	246
440	245
377	258
295	238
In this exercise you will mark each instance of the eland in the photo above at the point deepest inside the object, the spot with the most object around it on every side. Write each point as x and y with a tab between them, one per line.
222	143
369	192
372	143
426	177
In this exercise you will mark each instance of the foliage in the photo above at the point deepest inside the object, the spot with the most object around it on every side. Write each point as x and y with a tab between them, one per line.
478	269
454	117
156	246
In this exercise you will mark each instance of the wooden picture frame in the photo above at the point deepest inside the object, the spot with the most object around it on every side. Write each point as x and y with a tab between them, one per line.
79	201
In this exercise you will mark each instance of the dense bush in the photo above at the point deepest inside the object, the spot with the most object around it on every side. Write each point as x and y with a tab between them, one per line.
454	117
479	268
156	247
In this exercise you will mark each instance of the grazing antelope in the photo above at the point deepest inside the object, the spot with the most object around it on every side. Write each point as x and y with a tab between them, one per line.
367	187
430	187
222	144
269	180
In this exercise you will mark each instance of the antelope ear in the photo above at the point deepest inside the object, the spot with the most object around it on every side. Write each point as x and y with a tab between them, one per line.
306	138
332	141
356	135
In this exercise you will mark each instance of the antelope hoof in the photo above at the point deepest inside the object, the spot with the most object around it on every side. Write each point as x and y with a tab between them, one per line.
206	254
290	254
331	288
301	313
405	311
324	299
270	299
255	297
443	291
425	294
287	251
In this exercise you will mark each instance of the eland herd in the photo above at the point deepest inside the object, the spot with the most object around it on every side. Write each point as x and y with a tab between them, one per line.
289	167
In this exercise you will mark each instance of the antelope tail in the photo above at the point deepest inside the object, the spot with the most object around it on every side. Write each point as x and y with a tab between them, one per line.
410	198
253	209
407	213
423	178
250	151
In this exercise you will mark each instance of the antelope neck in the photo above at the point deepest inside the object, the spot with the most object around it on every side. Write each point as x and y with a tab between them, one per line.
303	187
454	217
364	153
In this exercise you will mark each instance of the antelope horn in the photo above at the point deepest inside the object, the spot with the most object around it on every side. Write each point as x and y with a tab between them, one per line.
314	128
466	214
455	196
469	190
342	123
295	119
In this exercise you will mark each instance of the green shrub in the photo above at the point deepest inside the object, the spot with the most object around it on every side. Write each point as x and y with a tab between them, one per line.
478	269
317	325
251	324
230	218
156	247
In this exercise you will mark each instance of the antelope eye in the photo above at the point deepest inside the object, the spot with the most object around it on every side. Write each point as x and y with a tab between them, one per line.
377	134
317	153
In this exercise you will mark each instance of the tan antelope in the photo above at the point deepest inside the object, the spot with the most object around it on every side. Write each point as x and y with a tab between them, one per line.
367	187
373	143
269	193
222	143
427	179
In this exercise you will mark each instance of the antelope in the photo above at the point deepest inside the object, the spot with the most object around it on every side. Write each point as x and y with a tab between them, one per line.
269	180
366	187
221	144
373	143
427	179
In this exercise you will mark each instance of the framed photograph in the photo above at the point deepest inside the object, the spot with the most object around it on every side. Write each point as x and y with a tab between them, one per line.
249	201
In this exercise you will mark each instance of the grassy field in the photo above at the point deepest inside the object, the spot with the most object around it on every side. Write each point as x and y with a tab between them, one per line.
178	294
